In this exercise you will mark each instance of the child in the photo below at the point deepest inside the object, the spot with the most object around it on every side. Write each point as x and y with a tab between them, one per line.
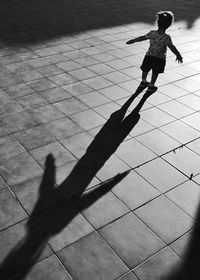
155	57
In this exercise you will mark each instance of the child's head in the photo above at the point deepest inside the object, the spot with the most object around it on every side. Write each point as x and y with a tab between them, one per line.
164	19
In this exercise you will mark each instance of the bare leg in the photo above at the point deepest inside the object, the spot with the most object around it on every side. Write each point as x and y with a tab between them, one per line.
144	76
153	79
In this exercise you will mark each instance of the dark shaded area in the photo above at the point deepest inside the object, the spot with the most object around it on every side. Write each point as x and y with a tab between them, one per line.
60	211
190	269
35	21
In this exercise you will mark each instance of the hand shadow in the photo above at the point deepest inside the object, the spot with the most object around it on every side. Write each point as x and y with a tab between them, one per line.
59	209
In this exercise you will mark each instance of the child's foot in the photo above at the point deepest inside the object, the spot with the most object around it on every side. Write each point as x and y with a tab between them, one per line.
151	89
143	85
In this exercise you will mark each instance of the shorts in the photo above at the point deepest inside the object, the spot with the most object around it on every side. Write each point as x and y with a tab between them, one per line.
156	64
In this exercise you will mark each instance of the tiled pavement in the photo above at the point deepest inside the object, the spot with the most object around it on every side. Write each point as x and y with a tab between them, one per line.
54	98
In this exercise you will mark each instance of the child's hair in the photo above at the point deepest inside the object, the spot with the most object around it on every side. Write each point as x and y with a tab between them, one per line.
164	19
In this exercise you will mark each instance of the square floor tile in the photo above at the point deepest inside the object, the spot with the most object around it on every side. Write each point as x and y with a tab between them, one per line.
134	191
112	167
76	54
175	109
119	64
156	117
10	107
34	137
180	131
107	109
82	74
161	174
103	57
46	114
55	94
133	153
194	145
62	156
32	101
91	50
63	128
188	84
62	79
193	120
62	48
71	106
41	84
194	65
101	69
87	60
45	51
164	264
184	71
141	127
93	201
91	258
170	76
11	210
166	219
18	121
191	100
97	83
9	147
184	160
195	78
181	245
62	225
133	72
136	58
19	168
114	92
69	65
158	141
93	99
131	85
77	88
30	75
50	70
172	91
88	119
187	197
78	144
158	98
117	77
131	239
19	90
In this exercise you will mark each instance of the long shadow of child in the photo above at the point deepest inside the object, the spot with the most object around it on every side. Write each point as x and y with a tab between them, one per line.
56	217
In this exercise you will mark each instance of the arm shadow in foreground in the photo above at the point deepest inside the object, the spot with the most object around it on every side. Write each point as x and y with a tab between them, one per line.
50	220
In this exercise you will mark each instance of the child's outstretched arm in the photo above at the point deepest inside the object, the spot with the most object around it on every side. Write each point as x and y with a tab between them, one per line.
176	52
138	39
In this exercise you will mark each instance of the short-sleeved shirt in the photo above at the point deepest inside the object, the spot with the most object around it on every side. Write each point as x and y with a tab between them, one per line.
158	44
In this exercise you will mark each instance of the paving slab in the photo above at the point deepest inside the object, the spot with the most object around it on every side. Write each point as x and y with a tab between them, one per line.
129	213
